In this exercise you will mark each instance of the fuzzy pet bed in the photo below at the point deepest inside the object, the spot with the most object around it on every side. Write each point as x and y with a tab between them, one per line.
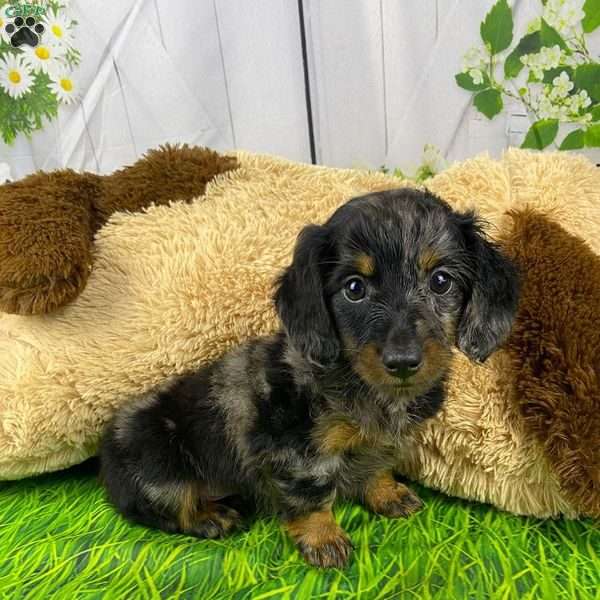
176	285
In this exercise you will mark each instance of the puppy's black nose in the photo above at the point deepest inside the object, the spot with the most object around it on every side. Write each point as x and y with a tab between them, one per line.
402	363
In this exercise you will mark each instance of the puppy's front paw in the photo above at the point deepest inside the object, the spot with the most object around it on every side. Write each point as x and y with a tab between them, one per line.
320	540
385	496
330	550
403	503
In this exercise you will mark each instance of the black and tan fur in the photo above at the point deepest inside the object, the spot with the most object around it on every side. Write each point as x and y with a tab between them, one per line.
371	307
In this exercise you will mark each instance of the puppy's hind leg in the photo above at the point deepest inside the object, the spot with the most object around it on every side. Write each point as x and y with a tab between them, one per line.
152	474
205	518
177	507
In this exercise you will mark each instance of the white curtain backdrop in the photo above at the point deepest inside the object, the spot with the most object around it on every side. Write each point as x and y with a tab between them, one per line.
378	82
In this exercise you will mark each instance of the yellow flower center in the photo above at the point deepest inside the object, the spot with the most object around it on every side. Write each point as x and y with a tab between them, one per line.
57	31
42	53
14	76
66	84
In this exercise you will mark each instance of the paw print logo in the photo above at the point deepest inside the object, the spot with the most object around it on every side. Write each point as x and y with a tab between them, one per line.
24	31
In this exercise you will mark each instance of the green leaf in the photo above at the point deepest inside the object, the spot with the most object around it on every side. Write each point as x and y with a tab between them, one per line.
550	74
497	28
465	81
587	77
591	20
541	134
595	110
529	44
550	37
488	102
592	136
24	114
573	141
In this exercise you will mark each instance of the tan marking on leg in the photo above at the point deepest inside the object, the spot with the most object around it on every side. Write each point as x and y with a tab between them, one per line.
204	518
189	500
320	540
385	496
365	265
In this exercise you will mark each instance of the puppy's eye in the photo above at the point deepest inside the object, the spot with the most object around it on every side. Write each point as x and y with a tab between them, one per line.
440	283
355	289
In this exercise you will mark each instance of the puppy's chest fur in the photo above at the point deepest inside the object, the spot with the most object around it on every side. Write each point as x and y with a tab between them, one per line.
336	433
349	450
280	417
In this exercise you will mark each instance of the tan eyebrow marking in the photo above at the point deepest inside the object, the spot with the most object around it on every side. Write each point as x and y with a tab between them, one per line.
428	259
365	265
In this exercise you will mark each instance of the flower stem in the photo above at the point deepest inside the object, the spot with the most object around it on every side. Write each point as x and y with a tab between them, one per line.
521	99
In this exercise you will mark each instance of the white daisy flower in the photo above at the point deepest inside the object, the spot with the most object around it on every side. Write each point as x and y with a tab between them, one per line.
63	87
15	76
47	58
5	37
58	30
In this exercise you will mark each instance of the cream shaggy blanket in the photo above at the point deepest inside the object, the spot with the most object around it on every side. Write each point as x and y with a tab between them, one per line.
175	286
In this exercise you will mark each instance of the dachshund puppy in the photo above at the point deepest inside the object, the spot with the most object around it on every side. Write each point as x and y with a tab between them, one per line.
371	307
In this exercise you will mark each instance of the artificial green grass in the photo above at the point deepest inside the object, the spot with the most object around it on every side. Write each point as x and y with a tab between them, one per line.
60	539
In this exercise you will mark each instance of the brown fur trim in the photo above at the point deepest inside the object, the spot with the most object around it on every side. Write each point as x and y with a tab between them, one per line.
555	351
45	240
48	220
167	174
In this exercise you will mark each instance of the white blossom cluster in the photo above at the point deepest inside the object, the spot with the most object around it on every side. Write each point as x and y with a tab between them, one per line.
474	62
554	101
564	15
433	159
547	58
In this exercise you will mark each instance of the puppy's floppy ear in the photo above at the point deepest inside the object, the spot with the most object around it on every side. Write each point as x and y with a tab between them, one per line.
300	298
489	312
